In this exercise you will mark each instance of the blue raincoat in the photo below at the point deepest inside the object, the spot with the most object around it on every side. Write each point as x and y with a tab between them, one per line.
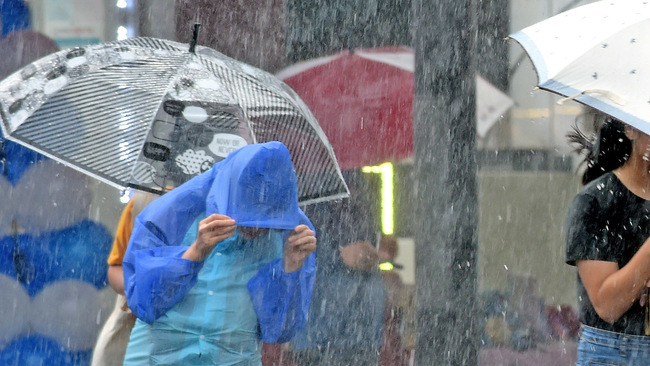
217	311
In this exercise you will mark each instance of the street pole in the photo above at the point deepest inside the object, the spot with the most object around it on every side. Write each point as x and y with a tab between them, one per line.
445	186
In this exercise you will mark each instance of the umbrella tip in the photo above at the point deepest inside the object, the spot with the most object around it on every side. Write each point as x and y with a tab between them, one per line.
195	37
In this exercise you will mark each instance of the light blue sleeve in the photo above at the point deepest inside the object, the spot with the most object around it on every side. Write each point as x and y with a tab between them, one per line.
156	277
281	300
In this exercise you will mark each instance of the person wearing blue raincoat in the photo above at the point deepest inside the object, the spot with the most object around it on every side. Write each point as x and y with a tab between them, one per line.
220	264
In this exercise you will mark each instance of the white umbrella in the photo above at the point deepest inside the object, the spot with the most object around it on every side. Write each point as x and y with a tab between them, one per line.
597	54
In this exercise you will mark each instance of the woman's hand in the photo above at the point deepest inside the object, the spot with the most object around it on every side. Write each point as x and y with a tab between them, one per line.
212	230
300	244
360	256
643	298
613	290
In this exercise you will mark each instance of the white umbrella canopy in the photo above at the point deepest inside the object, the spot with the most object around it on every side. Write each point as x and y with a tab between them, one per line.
597	54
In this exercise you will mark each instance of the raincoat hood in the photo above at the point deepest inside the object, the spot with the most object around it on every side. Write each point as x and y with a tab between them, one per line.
257	187
249	296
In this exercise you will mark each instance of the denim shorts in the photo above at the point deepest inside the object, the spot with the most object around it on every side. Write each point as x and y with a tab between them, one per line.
599	347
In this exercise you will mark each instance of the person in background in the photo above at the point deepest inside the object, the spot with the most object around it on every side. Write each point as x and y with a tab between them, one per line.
392	352
607	239
111	344
346	316
113	339
220	264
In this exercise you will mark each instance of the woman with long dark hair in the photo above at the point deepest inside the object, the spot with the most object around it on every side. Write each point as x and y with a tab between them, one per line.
608	230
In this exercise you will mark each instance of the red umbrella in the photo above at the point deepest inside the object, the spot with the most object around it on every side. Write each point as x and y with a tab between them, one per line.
363	101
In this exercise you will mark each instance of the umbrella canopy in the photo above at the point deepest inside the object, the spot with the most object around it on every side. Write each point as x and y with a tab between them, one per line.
146	113
597	54
363	99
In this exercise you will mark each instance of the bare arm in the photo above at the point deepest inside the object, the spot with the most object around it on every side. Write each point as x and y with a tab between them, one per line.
116	278
614	290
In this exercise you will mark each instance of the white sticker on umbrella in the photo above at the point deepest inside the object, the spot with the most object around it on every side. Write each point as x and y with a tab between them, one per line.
32	84
195	114
18	119
224	143
76	61
209	84
55	85
127	55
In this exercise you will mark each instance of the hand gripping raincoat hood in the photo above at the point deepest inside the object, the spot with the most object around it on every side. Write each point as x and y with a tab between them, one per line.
218	310
256	186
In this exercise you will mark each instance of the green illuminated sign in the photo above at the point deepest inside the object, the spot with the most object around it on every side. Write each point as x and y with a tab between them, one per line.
386	172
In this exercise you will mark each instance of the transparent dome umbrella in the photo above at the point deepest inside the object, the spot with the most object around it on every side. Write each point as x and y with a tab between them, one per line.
597	54
148	113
